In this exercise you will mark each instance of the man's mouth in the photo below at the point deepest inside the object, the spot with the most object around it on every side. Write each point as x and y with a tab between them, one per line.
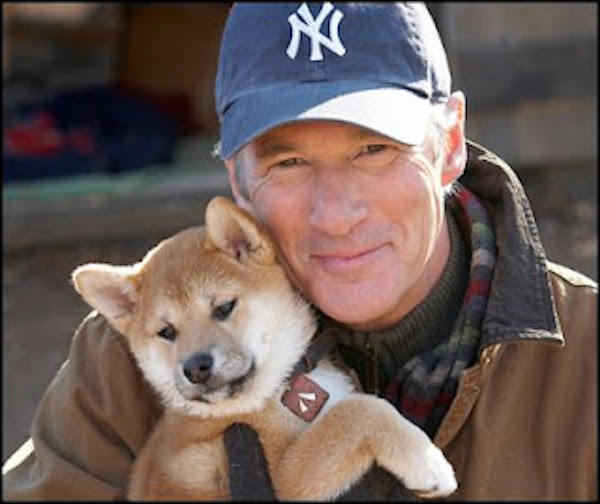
345	260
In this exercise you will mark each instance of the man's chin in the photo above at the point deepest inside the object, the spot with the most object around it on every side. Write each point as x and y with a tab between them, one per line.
353	314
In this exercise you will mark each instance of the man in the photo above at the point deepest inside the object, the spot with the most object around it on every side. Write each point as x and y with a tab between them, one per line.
341	134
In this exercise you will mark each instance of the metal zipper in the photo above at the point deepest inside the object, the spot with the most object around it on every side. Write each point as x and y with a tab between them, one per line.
372	373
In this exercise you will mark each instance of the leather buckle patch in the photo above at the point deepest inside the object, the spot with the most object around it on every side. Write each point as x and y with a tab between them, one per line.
304	397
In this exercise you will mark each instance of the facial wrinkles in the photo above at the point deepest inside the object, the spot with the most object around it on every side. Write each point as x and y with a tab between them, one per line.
254	183
270	201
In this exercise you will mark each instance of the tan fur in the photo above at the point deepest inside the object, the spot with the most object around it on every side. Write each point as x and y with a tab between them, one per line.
180	282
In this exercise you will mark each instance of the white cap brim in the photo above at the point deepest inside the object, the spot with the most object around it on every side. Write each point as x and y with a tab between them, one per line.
395	113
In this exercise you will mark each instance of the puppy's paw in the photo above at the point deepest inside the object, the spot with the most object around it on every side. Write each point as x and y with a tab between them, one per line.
430	475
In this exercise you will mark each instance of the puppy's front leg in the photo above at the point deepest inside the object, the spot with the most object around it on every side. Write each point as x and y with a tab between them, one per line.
339	448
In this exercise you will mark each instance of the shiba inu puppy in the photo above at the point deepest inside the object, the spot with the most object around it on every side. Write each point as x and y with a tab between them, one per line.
217	330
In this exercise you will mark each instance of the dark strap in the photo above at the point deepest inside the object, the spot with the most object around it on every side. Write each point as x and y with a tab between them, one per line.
249	478
319	348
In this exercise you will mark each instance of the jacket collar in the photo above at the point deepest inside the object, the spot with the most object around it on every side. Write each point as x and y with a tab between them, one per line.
521	305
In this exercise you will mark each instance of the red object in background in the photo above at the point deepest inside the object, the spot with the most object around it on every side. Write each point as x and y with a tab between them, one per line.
39	137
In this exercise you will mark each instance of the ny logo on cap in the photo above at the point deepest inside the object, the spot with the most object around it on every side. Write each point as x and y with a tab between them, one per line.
311	27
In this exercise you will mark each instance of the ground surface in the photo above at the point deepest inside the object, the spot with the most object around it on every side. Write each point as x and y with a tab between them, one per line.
41	310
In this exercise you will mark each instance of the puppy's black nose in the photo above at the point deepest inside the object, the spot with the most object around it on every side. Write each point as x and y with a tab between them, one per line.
197	368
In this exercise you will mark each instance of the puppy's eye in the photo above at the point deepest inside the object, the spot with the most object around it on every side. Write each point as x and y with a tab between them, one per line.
223	311
168	332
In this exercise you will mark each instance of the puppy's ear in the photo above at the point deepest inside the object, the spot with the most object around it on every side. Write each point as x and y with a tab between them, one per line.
111	290
235	232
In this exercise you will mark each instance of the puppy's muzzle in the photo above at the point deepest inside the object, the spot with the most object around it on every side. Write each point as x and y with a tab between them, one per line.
198	368
212	375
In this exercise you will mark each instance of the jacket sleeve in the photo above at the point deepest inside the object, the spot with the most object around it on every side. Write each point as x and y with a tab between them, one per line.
89	425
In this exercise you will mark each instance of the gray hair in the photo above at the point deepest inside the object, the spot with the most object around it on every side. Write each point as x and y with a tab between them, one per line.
242	180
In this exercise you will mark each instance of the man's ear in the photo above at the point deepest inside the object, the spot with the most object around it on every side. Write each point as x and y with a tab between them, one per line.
456	149
234	231
111	290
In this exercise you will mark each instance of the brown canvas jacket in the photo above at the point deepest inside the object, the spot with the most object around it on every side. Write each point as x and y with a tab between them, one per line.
523	424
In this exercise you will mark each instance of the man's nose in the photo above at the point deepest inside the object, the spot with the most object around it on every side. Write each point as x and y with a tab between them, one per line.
337	203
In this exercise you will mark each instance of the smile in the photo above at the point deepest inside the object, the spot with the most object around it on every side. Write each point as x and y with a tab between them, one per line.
349	260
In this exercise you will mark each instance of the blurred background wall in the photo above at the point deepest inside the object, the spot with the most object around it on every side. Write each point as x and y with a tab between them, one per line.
528	70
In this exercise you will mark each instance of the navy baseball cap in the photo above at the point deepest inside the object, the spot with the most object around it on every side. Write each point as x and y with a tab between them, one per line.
375	65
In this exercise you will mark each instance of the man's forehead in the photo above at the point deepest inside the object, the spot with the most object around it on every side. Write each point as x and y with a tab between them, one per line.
286	137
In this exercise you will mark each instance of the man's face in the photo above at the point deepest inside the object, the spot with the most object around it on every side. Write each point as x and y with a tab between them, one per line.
358	218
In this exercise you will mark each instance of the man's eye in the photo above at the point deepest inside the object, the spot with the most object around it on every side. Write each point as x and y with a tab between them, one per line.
373	149
286	163
375	155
